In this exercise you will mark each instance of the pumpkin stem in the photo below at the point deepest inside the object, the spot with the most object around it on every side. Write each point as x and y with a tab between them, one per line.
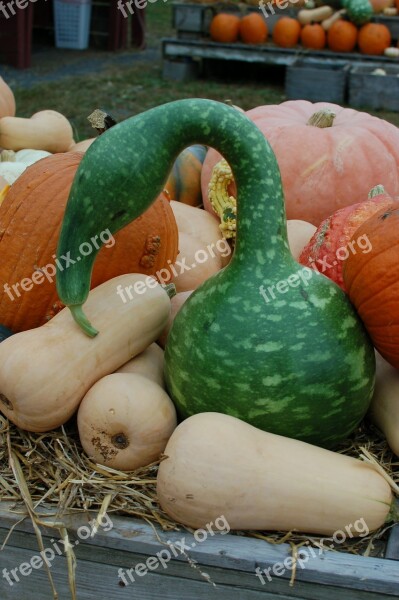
82	320
322	118
377	190
223	204
170	289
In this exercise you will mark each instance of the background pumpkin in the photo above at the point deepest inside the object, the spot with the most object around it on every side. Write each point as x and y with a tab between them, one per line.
374	38
253	29
372	281
184	181
30	220
313	36
286	32
225	28
342	36
338	161
7	100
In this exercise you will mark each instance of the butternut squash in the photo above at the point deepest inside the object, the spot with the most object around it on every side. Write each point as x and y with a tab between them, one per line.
299	234
314	15
175	305
218	465
149	364
329	22
384	408
45	372
125	421
82	146
46	130
195	263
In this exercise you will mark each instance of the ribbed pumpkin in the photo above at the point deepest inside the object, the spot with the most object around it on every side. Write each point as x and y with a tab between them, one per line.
225	28
372	282
253	29
313	36
184	181
7	100
342	36
334	238
326	163
374	38
30	220
286	32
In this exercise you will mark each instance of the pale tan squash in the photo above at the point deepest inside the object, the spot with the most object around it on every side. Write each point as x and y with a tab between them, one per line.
218	465
384	408
7	100
176	303
202	225
299	234
125	421
46	130
148	364
81	146
314	15
195	263
45	372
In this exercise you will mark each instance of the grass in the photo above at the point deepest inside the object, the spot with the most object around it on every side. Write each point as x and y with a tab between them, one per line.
125	90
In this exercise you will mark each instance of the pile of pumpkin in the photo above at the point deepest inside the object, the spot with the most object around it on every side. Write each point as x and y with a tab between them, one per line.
217	462
313	28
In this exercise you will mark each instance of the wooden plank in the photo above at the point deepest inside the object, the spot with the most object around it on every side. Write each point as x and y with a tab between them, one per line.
264	54
232	553
392	549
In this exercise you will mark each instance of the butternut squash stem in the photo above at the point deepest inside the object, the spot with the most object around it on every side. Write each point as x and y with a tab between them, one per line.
81	319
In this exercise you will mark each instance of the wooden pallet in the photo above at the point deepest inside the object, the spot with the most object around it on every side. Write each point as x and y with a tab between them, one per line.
224	569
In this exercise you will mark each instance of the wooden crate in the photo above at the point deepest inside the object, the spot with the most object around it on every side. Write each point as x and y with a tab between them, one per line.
317	82
374	91
224	568
192	21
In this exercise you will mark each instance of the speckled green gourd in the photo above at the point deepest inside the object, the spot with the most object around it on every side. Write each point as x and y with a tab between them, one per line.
358	11
300	363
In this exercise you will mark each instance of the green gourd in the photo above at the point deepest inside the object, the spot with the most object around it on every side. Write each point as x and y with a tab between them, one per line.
358	11
266	340
4	333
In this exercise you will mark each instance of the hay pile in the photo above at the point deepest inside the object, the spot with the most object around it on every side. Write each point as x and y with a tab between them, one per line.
51	471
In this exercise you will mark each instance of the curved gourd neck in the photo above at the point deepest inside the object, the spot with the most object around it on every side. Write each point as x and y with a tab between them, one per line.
261	222
125	170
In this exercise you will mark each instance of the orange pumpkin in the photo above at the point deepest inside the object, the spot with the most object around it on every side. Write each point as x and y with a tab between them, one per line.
334	238
286	32
372	281
30	221
253	29
342	36
184	181
322	169
225	28
374	38
313	36
7	100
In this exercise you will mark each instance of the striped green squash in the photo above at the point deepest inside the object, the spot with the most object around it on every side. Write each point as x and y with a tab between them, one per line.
266	340
358	11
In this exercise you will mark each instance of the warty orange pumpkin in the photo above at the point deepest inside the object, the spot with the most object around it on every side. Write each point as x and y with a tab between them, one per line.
30	221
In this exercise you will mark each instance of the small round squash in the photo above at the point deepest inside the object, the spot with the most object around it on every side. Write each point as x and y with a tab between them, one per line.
342	36
313	36
286	32
125	421
253	29
374	38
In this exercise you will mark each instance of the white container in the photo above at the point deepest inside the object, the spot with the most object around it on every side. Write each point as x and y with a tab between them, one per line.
72	23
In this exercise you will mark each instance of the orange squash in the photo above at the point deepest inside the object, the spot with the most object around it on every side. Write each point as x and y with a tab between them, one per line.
225	28
372	281
313	36
184	181
342	36
286	32
253	29
374	38
30	221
